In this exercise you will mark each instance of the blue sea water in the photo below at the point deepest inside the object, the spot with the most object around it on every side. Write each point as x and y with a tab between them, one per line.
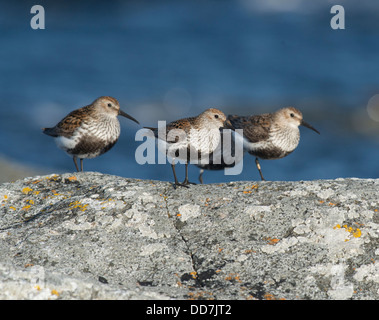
169	59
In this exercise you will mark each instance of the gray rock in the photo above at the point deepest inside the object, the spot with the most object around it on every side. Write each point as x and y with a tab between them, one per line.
95	236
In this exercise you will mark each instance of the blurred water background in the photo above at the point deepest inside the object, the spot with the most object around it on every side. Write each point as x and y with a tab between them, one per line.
169	59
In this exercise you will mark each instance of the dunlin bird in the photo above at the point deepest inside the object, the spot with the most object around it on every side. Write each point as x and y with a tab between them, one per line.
271	135
89	131
191	139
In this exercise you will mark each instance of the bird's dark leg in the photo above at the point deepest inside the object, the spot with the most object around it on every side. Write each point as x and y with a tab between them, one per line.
176	183
259	168
81	164
76	164
173	171
186	182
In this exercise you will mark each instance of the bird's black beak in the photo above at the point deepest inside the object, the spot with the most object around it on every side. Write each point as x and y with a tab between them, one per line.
306	124
124	114
228	124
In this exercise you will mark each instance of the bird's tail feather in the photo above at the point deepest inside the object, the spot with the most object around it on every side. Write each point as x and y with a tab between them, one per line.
49	132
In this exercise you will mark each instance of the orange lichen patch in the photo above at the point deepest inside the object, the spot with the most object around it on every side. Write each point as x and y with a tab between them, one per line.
37	287
13	208
254	186
228	278
79	205
55	193
331	204
55	292
26	190
193	274
347	228
355	232
201	295
28	265
359	224
269	296
103	201
54	177
4	200
178	215
272	241
250	189
27	207
234	277
73	178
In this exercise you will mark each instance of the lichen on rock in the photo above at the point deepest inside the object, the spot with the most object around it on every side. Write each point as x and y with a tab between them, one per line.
89	235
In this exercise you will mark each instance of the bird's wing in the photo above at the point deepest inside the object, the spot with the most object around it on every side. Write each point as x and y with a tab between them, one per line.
69	124
178	124
255	128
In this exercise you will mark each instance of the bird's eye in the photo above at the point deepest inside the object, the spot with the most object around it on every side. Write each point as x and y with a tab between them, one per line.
292	115
216	116
109	105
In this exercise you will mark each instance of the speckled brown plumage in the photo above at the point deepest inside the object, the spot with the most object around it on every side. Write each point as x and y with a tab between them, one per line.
255	128
270	135
89	131
198	138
